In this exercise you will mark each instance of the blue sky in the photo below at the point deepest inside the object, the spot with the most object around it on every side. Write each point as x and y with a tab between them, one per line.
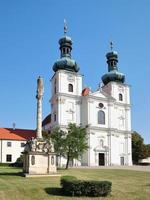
29	34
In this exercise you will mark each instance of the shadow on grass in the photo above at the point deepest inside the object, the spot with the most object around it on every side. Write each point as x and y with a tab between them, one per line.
147	185
11	174
54	191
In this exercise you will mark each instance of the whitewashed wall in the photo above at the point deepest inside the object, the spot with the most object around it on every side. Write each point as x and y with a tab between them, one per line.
15	150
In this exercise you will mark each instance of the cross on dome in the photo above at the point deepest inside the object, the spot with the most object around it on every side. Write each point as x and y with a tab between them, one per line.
111	45
65	27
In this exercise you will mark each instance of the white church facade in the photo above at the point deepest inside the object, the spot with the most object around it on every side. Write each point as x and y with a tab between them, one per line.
106	112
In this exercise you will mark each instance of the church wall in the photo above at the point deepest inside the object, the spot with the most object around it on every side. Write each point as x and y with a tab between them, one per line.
114	89
93	109
69	111
120	147
84	159
84	112
97	142
66	78
65	104
129	149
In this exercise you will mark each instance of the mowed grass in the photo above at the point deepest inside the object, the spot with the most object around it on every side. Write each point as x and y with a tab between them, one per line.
126	184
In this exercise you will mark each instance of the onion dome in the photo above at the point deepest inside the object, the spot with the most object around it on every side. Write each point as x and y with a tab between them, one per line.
113	73
65	62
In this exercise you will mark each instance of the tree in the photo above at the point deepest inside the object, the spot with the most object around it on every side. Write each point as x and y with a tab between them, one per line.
59	139
71	143
46	134
147	146
139	149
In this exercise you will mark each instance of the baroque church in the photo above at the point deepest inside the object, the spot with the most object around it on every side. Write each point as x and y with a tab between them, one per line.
106	112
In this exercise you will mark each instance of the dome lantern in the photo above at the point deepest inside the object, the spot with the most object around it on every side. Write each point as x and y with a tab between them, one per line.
113	73
65	62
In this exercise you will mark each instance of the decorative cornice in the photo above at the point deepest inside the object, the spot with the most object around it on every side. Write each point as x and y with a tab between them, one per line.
108	129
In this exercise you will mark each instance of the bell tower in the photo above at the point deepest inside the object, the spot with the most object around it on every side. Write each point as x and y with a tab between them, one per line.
114	81
119	110
66	86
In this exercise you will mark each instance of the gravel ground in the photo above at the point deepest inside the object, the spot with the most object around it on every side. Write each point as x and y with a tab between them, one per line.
134	167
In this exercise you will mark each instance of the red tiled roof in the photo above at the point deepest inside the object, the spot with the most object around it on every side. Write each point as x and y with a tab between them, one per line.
85	92
16	134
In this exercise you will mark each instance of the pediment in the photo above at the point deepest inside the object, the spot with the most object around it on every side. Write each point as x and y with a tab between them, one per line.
101	94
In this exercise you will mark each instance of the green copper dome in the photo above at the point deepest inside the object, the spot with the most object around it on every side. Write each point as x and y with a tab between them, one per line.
113	73
65	62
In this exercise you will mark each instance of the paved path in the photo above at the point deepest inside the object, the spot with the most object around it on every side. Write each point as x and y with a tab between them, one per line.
134	167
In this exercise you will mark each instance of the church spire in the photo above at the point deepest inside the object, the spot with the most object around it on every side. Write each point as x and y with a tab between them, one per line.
113	73
112	58
65	43
65	62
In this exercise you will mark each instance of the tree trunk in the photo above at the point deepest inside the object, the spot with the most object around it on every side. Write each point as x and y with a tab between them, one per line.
68	159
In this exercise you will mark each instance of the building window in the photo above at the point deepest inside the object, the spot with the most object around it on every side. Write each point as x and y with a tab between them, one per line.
64	50
22	144
70	87
54	117
8	158
52	160
101	117
9	144
32	160
55	89
101	105
120	97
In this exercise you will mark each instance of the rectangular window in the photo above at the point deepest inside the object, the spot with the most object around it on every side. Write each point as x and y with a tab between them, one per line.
22	144
8	158
55	117
9	144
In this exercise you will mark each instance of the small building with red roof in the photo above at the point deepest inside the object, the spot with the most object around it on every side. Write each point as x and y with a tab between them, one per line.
12	143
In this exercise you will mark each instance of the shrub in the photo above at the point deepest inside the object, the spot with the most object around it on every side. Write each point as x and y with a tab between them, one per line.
74	187
18	163
4	164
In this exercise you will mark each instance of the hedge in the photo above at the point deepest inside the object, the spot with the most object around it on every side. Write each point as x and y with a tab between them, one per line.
4	164
73	187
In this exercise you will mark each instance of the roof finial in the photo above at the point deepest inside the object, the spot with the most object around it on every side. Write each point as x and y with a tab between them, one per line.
65	27
111	45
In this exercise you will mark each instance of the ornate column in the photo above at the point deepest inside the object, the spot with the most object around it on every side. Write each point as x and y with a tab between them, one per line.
39	97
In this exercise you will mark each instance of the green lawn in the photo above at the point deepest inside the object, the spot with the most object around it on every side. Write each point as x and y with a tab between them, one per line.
126	184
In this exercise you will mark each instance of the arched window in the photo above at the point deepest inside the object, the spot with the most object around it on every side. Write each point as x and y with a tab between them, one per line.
70	87
54	117
120	97
101	117
64	50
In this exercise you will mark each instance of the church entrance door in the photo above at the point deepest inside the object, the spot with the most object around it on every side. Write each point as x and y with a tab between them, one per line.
101	159
122	160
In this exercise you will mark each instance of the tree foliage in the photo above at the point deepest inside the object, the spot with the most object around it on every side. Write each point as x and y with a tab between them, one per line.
139	149
71	143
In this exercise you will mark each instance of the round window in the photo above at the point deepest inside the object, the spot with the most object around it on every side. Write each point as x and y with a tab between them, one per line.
101	105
